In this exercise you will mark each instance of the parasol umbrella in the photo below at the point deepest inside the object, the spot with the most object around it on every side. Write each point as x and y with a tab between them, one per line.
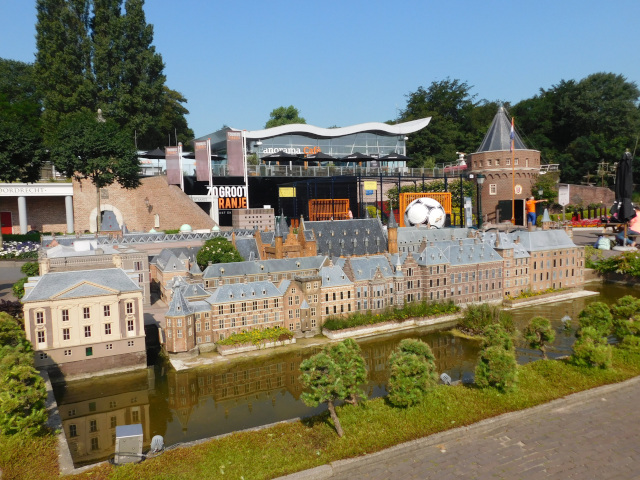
321	157
395	157
281	155
358	157
622	208
157	153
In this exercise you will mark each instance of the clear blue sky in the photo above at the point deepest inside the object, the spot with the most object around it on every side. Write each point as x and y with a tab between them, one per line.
348	62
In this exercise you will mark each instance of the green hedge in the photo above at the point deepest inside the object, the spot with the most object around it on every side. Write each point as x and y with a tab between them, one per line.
410	310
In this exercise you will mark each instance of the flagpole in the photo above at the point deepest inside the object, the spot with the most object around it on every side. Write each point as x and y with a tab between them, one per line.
513	175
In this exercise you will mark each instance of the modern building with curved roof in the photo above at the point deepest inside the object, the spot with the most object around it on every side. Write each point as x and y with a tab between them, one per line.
373	138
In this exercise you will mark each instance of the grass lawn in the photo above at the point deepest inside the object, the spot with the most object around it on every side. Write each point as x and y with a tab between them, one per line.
372	426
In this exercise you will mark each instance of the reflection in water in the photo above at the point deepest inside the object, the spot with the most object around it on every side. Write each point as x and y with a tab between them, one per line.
203	402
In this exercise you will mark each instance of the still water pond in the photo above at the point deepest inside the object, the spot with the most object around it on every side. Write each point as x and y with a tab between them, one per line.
207	401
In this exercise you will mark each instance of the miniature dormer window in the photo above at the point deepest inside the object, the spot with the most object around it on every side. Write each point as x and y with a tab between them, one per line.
231	295
332	233
356	231
261	267
179	308
264	292
319	234
222	270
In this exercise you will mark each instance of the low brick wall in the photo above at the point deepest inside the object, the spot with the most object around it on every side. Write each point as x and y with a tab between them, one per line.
231	349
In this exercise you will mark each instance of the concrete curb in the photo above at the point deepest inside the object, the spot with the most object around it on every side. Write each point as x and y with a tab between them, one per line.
341	466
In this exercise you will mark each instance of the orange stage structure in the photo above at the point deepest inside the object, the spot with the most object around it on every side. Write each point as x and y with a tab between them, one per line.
326	209
444	198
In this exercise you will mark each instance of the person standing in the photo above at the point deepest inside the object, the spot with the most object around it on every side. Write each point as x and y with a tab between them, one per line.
633	229
530	206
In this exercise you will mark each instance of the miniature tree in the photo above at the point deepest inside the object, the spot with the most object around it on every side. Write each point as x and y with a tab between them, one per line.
413	373
348	356
22	390
217	250
626	316
591	349
496	368
323	377
539	333
598	316
496	336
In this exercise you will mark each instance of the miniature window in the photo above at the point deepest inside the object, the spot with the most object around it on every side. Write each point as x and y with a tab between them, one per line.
107	311
493	189
65	315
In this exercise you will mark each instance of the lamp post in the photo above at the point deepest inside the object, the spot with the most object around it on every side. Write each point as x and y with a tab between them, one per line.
540	192
480	180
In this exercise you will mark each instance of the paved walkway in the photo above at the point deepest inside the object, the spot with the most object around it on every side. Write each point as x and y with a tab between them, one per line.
588	435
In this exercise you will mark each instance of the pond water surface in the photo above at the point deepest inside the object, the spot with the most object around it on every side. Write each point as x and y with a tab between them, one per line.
203	402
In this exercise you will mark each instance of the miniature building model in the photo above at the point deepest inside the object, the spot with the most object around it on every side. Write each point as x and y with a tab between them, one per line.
85	321
87	255
302	293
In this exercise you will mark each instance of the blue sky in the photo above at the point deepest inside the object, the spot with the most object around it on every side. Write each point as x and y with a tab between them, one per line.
348	62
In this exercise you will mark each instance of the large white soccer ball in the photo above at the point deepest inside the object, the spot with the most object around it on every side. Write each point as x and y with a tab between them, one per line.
425	211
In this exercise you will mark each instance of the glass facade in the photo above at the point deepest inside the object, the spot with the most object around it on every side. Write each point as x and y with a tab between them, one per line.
367	143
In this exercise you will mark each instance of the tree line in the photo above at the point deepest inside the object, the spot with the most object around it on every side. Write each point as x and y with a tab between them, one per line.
91	55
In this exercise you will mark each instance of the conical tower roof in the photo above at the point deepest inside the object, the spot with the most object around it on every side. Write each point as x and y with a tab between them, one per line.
498	137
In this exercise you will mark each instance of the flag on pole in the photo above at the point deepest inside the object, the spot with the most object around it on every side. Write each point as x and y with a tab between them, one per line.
512	135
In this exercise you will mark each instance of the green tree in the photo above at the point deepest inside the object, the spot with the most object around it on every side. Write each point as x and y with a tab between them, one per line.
99	151
495	335
579	123
323	377
538	333
458	122
22	152
284	116
626	316
22	390
477	317
413	373
496	368
348	356
596	315
591	349
107	58
217	250
63	61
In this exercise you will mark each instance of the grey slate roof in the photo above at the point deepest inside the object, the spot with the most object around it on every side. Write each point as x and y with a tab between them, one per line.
432	255
269	266
498	137
413	236
167	254
470	253
195	269
540	240
358	237
506	240
247	248
243	292
80	283
364	268
334	276
179	306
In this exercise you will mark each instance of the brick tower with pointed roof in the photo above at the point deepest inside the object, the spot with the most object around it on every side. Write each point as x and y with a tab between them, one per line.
493	159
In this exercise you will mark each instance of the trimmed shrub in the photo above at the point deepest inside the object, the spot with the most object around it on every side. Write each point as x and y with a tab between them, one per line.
630	342
626	316
497	336
591	350
496	368
413	373
18	287
597	316
539	333
477	317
